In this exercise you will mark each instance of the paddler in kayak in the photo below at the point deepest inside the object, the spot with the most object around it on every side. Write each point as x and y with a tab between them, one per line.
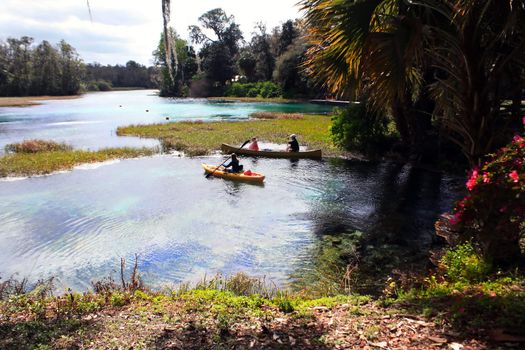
293	145
234	164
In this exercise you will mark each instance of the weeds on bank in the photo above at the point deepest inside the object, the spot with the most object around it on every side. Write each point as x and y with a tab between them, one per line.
198	138
465	292
37	160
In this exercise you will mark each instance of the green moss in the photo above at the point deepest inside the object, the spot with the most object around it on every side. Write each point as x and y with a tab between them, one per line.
197	138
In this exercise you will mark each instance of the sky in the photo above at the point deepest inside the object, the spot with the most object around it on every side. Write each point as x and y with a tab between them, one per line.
123	30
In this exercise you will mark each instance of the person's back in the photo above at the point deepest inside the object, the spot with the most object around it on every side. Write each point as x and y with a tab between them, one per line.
293	145
234	164
254	146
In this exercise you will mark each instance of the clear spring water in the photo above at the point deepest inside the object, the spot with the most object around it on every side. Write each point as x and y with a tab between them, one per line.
77	225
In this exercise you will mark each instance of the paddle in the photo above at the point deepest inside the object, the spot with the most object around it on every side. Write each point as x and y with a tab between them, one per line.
210	174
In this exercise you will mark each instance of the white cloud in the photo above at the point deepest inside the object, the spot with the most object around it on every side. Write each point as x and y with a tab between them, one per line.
125	30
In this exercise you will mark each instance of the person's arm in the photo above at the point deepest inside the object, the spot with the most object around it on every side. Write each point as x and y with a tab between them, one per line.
227	165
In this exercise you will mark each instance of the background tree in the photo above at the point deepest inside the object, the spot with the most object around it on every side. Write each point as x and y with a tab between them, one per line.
264	58
46	81
218	54
42	70
186	68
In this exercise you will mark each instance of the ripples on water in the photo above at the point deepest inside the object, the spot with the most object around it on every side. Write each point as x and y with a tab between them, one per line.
77	225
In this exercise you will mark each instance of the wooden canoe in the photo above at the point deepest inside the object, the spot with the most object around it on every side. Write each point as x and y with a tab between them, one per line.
313	154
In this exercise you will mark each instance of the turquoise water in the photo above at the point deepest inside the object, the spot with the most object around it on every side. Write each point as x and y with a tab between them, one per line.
90	121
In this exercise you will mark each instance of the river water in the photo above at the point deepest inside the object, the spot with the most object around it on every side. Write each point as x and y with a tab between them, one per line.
77	225
90	122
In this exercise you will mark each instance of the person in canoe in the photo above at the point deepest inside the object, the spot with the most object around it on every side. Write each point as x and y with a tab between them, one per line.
293	145
234	164
254	146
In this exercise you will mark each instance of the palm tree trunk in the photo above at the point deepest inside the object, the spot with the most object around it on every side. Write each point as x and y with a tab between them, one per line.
171	55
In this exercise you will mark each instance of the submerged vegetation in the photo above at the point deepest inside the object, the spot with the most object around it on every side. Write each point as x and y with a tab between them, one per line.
200	138
40	157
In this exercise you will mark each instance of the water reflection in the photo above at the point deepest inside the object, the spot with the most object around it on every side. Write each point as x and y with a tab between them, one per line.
380	219
77	225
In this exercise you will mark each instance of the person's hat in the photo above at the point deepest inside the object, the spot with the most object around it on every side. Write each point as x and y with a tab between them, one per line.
293	136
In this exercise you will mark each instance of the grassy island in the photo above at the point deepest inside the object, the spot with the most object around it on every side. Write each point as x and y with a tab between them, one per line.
200	138
39	157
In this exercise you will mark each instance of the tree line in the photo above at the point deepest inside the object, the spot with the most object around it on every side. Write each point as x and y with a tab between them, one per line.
228	64
105	77
43	69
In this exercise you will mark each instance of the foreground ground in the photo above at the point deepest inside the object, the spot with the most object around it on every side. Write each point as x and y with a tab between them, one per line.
231	316
30	100
219	320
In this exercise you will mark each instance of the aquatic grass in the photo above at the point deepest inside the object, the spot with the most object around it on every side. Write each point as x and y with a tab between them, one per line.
41	163
205	137
276	115
36	146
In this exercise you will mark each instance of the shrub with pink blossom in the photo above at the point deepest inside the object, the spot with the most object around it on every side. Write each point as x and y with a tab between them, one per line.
493	212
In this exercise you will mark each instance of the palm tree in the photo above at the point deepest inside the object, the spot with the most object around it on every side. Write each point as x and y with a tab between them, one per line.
481	50
370	46
458	54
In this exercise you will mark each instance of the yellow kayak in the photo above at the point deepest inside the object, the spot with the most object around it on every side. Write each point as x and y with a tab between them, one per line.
248	176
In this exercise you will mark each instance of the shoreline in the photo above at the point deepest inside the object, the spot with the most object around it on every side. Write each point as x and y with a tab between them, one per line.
27	101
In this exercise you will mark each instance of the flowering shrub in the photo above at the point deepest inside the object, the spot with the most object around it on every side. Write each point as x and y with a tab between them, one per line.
493	213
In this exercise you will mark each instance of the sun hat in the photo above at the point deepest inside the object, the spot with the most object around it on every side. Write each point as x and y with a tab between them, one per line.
293	136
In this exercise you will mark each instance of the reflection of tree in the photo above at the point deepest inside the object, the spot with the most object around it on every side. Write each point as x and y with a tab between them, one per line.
394	205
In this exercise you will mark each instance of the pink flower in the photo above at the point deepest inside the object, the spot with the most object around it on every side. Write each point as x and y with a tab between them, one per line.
523	120
455	219
486	178
503	209
471	183
514	176
517	138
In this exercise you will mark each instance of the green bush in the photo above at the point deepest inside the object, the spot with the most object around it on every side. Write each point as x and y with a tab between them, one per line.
265	89
464	264
118	299
99	85
356	128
